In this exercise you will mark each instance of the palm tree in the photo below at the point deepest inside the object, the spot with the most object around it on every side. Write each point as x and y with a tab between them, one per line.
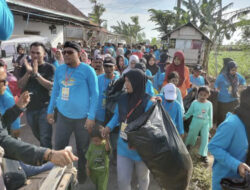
165	20
97	12
131	31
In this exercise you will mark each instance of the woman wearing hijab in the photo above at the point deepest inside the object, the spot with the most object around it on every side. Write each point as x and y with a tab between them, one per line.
178	65
227	84
230	145
130	106
131	64
154	69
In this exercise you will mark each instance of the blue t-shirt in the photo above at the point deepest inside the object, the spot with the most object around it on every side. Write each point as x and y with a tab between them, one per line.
148	73
103	83
126	62
122	146
198	81
56	64
6	21
157	54
161	79
78	97
225	87
150	88
229	146
175	111
7	101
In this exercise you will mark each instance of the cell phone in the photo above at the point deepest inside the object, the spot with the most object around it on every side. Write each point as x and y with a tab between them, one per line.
30	93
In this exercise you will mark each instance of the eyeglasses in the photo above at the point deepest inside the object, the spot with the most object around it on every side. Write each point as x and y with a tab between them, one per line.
4	81
67	52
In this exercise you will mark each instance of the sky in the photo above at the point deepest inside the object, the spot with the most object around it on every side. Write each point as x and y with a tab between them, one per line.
122	10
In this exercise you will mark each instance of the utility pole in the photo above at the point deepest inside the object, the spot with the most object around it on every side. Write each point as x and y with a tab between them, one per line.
178	13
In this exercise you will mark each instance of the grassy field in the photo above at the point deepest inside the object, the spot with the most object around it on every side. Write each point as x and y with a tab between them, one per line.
242	58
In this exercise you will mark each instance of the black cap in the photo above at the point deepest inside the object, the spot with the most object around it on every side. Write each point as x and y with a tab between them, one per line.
72	44
109	61
198	68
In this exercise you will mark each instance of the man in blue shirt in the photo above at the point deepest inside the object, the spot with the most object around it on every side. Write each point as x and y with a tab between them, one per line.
103	82
75	95
6	21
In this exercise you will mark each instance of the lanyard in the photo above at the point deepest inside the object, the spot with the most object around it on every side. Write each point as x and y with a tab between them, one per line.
133	109
67	77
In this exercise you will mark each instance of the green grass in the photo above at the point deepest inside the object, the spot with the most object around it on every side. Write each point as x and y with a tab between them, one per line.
202	174
242	58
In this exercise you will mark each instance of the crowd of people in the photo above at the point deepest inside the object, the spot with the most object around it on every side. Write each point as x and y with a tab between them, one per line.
65	90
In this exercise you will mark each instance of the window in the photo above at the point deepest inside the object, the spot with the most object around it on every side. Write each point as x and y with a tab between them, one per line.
172	43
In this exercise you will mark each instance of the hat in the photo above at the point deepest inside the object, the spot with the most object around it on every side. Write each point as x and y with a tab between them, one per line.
170	91
198	68
98	57
72	44
109	61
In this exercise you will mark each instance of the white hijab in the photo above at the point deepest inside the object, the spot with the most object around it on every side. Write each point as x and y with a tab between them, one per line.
132	58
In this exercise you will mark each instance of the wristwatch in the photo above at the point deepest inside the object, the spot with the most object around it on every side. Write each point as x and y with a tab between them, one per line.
35	75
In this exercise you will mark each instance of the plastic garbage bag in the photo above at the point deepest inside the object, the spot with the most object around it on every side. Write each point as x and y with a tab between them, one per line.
236	183
157	141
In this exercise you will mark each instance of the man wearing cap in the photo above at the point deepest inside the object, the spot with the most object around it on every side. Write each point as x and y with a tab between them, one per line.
171	106
75	95
196	78
103	82
37	78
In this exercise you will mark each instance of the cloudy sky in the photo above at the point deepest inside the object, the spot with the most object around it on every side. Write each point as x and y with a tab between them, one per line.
117	10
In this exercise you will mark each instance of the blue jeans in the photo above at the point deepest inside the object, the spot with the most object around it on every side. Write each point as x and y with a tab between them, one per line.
34	170
42	130
64	128
125	167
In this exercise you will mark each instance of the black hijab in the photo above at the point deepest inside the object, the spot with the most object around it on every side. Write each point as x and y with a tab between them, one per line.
153	68
233	79
138	81
243	112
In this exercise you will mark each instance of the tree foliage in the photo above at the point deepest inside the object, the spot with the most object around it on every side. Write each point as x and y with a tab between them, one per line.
131	31
97	12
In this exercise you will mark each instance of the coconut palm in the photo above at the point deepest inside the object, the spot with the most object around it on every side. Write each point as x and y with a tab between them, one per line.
97	12
131	31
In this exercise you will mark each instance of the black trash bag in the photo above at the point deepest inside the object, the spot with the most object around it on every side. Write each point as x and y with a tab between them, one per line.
157	141
236	183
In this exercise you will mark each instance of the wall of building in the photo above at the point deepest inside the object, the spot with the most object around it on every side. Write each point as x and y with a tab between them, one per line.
21	25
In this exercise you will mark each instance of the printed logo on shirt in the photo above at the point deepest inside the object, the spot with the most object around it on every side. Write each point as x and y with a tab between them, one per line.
70	82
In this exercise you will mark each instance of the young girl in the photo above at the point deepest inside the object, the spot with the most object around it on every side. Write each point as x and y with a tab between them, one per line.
174	79
173	107
202	112
98	159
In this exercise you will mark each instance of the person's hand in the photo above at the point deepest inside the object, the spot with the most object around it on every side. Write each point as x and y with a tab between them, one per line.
105	132
50	118
242	169
35	66
23	100
88	171
62	157
89	124
29	69
156	98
